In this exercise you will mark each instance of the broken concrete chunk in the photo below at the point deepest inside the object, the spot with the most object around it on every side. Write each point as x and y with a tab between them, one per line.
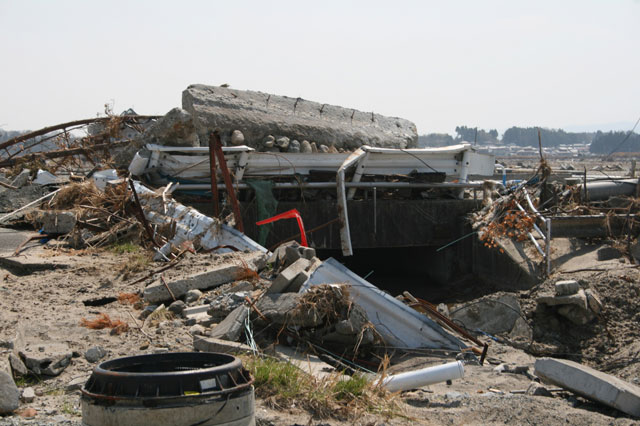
192	296
608	253
55	222
574	307
209	344
287	276
298	282
18	367
95	354
28	395
9	394
232	326
492	314
590	383
222	305
175	128
593	301
233	268
537	389
282	309
48	358
566	288
177	307
197	330
579	299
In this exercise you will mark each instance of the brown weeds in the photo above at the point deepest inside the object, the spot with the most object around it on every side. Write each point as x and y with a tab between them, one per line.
104	321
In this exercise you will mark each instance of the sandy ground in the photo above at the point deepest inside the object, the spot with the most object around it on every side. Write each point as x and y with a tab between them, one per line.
47	305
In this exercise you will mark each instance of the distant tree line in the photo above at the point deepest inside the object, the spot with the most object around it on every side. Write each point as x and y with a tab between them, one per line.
606	143
601	142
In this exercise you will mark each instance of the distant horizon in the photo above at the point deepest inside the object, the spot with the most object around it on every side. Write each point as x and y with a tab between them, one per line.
491	64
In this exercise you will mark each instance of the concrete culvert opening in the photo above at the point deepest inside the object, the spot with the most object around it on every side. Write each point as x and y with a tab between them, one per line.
170	389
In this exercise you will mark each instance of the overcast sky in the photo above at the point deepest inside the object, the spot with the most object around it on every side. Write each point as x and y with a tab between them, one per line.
492	64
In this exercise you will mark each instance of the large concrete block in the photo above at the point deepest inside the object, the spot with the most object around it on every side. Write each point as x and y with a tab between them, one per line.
590	383
259	115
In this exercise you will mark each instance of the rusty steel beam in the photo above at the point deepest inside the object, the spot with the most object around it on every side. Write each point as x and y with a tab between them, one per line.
45	130
214	181
60	153
217	147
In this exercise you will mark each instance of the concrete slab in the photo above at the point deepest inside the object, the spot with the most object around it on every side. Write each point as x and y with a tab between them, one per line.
590	383
30	259
210	344
235	266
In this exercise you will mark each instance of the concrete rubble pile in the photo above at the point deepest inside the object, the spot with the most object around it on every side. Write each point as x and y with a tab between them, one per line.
227	293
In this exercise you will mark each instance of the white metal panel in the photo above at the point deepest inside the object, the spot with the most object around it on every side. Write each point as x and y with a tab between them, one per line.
398	324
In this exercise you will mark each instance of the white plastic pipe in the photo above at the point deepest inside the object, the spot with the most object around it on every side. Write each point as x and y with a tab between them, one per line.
426	376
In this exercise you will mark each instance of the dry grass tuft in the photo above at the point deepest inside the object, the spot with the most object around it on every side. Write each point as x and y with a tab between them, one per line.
104	321
282	384
128	298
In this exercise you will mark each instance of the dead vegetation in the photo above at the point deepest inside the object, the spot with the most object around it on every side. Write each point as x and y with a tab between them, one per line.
282	385
104	321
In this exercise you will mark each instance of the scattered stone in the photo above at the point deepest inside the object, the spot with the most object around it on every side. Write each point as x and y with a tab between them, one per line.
192	296
9	394
314	148
95	354
590	383
294	146
283	143
148	310
269	141
237	138
324	149
28	395
537	389
197	330
48	358
305	147
177	307
567	288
